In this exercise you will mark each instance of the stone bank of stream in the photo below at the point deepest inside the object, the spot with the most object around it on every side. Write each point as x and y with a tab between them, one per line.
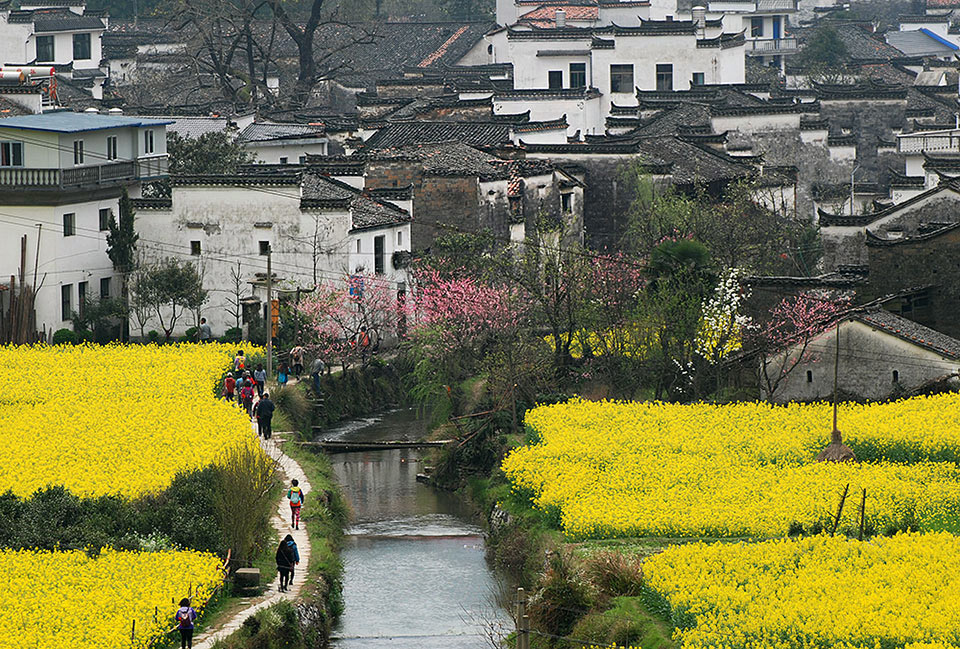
415	573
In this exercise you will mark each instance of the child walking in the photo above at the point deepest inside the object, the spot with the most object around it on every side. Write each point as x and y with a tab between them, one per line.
296	496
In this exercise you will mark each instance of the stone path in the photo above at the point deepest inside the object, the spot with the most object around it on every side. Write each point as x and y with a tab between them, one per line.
281	523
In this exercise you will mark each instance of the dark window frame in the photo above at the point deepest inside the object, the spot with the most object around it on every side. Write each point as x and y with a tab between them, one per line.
105	288
578	76
621	77
756	28
698	79
112	147
105	215
66	301
379	254
10	152
555	79
195	248
664	77
78	152
70	224
263	248
46	49
81	47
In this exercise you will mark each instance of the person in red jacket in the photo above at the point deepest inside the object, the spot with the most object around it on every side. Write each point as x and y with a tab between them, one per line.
229	386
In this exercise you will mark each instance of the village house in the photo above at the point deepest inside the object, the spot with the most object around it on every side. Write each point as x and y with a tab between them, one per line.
61	176
318	229
881	356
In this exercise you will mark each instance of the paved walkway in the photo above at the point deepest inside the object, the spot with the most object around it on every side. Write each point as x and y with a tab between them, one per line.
281	523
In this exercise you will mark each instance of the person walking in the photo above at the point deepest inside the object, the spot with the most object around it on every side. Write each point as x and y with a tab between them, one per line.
239	363
260	376
296	497
229	386
264	411
296	357
206	334
294	556
185	617
316	369
288	556
246	397
283	374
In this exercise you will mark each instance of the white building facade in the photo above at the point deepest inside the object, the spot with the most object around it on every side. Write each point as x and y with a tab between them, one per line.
61	177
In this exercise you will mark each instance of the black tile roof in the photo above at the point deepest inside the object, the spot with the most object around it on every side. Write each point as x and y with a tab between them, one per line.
366	211
59	19
484	134
910	331
267	131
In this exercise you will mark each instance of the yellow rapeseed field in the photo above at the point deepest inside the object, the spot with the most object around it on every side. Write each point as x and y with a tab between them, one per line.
746	469
112	419
816	591
67	600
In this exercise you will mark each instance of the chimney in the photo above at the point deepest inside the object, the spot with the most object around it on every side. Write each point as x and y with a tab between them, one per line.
700	20
561	18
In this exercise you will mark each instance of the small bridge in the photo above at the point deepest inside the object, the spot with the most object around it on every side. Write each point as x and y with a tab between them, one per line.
339	446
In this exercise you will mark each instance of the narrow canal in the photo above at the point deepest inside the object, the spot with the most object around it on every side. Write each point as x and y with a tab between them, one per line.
414	568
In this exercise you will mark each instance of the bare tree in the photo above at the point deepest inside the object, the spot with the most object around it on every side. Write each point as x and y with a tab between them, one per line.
235	298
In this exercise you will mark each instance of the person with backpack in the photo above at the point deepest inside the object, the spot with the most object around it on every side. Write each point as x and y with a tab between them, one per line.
239	362
296	497
288	556
260	376
185	617
296	357
246	397
264	411
229	386
283	374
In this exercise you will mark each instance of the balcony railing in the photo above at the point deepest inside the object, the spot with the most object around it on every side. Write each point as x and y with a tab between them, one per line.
770	46
919	142
27	178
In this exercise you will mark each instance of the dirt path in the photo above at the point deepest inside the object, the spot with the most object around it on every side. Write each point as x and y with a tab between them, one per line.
281	523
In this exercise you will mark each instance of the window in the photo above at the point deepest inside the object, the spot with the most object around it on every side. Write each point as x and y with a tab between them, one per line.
358	247
578	75
66	305
400	238
45	49
566	202
105	215
697	79
283	160
664	76
809	376
621	78
555	79
896	376
264	247
11	154
104	288
148	141
379	244
195	248
303	159
81	298
756	27
81	47
78	152
69	224
112	147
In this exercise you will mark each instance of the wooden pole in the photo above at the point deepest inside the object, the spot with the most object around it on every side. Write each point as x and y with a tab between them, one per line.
269	311
836	376
843	499
133	632
523	621
863	505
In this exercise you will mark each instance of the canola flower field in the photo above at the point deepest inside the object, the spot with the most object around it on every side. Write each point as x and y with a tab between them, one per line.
817	591
739	470
67	600
112	419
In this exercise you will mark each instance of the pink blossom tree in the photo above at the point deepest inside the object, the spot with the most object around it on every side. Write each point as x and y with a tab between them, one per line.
784	339
349	318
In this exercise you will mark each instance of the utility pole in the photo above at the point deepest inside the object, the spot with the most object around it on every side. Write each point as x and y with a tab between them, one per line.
523	621
269	310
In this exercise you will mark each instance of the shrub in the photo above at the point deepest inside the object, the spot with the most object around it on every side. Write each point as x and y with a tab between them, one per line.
292	403
153	336
244	499
191	335
564	597
65	337
232	335
615	573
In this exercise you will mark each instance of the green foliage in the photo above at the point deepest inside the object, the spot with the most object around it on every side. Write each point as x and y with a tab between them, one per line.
215	152
294	407
166	289
192	334
232	335
122	237
65	337
627	623
563	598
153	336
825	49
244	500
101	320
180	516
615	573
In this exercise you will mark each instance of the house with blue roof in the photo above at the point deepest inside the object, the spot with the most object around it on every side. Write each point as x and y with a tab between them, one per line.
61	177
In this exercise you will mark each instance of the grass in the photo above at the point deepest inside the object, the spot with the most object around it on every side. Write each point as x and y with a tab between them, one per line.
626	623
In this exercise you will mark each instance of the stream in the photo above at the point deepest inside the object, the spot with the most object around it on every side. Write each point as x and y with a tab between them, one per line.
415	574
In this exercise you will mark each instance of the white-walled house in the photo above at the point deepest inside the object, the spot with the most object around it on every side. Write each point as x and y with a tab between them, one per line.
273	143
58	34
61	176
317	228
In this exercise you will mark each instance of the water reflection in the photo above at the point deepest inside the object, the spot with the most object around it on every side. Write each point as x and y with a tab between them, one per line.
415	573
